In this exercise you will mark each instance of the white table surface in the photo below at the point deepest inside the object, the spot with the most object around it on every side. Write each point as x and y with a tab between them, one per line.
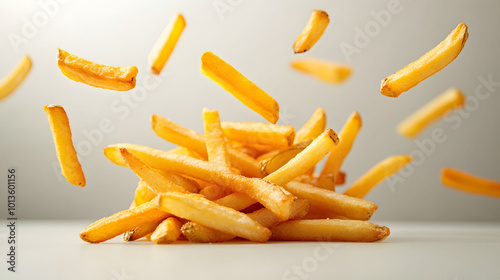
446	251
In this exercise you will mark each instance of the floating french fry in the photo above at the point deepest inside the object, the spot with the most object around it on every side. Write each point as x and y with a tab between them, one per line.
377	174
469	183
427	65
325	71
239	86
10	82
431	112
318	21
165	44
96	75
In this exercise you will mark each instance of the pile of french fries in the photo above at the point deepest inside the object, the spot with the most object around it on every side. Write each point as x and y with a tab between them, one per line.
255	181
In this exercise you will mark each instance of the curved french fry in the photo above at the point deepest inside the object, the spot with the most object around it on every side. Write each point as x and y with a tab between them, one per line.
427	65
96	75
15	77
318	21
431	112
377	174
239	86
165	44
466	182
326	71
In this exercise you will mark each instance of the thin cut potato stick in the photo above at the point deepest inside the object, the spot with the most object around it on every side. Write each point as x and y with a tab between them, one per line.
198	209
214	139
377	174
167	231
431	112
120	222
187	184
153	179
274	137
143	193
239	86
316	212
469	183
329	230
313	127
182	136
325	71
350	207
277	161
141	231
427	65
165	44
306	159
213	192
10	82
268	194
198	233
96	75
339	152
66	154
236	201
318	21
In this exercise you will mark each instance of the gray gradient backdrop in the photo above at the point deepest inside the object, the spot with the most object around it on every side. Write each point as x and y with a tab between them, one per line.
256	37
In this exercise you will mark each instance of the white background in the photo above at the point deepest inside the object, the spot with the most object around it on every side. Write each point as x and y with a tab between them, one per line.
256	37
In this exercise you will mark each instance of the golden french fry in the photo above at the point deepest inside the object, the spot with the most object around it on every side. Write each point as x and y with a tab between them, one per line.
153	179
66	154
198	233
10	82
329	230
339	152
313	127
141	231
236	201
213	192
167	231
431	112
281	158
96	75
165	44
120	222
182	136
377	174
350	207
143	193
273	137
324	182
325	71
268	194
306	159
427	65
198	209
318	21
187	184
186	152
214	139
469	183
239	86
316	212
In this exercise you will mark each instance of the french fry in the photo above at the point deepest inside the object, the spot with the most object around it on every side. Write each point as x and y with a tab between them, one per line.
306	159
313	127
167	231
316	212
153	179
325	71
213	192
198	209
143	193
236	201
182	136
10	82
324	182
96	75
329	230
431	112
343	205
120	222
268	194
377	174
274	137
187	184
277	161
214	139
469	183
198	233
318	21
239	86
427	65
66	154
339	152
141	231
165	44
